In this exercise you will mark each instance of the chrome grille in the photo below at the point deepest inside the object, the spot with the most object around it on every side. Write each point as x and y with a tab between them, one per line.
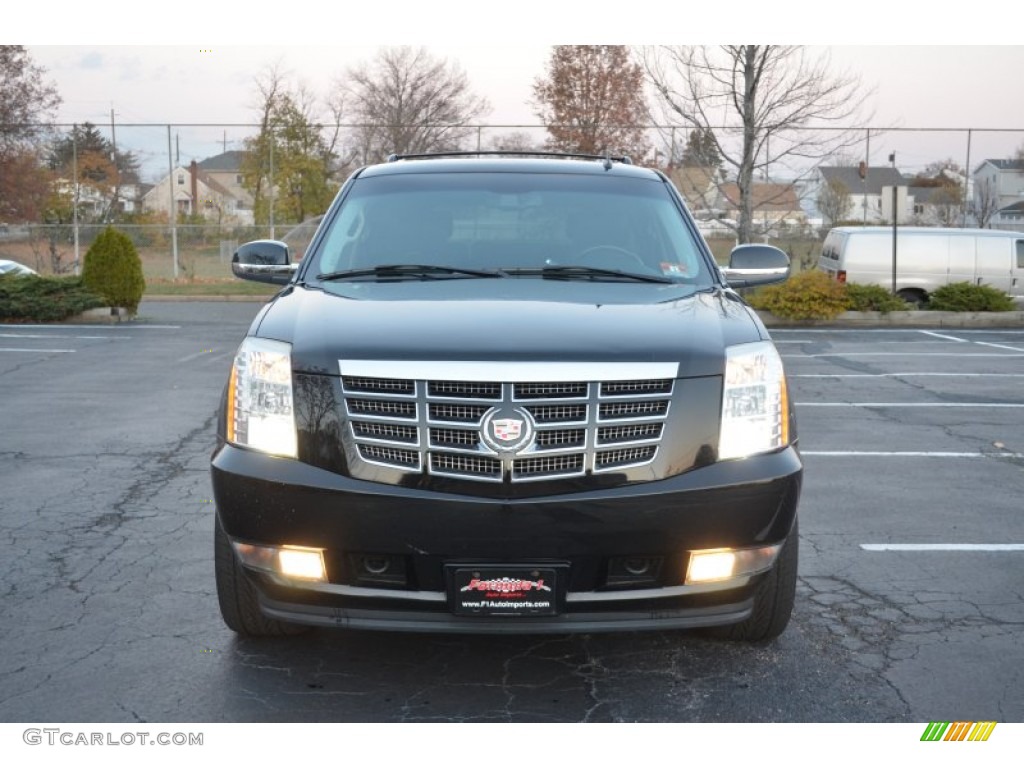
436	425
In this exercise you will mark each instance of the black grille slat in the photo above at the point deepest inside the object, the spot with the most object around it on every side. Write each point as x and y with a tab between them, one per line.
463	438
458	412
473	390
378	431
460	464
379	386
628	433
553	414
634	409
625	456
384	408
539	466
561	438
552	391
398	457
641	387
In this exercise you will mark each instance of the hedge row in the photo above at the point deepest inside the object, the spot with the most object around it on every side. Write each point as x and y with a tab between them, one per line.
813	295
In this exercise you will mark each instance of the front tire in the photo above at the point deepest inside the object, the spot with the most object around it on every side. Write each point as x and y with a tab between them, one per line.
774	597
239	602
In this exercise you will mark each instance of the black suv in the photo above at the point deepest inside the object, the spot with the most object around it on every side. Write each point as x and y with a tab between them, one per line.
507	394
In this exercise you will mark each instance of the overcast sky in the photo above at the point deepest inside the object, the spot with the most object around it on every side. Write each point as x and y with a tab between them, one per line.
502	50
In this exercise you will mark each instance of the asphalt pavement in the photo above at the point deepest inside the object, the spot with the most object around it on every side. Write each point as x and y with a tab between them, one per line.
911	593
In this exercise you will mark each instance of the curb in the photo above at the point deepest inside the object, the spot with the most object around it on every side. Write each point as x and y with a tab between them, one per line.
211	297
911	319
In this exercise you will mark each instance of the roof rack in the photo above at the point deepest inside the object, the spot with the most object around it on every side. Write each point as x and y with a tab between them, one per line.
606	157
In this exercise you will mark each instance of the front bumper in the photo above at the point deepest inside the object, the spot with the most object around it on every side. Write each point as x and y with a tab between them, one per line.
272	501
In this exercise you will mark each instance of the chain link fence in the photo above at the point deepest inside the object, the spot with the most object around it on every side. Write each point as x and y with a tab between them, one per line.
188	203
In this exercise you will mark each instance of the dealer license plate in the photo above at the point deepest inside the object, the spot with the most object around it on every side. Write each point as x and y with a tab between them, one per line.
501	591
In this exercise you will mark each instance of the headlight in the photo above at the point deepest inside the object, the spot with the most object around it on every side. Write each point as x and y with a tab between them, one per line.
755	404
260	412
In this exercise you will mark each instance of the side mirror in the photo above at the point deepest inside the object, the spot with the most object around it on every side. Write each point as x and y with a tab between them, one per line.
265	261
756	264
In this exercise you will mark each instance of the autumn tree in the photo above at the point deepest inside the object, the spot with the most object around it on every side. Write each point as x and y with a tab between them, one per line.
27	104
592	101
406	101
101	165
770	106
289	165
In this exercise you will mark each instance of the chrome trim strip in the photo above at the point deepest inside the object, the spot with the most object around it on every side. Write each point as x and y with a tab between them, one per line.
572	597
497	371
648	594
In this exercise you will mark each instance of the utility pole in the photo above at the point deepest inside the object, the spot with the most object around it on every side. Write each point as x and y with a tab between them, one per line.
173	213
74	198
895	217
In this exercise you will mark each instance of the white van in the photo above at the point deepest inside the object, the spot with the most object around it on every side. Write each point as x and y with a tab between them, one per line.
926	258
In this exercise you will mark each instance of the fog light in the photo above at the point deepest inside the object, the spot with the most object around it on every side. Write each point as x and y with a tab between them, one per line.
710	566
306	563
722	564
302	563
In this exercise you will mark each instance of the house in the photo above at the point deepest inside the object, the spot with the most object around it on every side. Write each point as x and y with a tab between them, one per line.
197	194
870	198
699	187
938	201
226	170
776	206
998	193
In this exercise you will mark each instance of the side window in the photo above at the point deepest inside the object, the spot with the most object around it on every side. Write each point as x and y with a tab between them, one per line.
1020	254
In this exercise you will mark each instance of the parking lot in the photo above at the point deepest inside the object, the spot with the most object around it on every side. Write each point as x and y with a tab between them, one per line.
910	604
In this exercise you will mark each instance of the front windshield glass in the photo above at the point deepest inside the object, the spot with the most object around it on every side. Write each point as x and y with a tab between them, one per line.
512	222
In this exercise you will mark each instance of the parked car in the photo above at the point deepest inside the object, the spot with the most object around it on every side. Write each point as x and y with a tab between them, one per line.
507	394
926	258
8	267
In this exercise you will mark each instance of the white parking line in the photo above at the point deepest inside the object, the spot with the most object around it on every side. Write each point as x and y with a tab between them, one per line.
916	454
23	349
943	336
903	375
54	336
909	405
76	326
943	547
997	346
906	354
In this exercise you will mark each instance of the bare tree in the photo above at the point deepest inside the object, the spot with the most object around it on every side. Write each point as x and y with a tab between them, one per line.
834	202
516	141
406	101
985	203
767	105
592	100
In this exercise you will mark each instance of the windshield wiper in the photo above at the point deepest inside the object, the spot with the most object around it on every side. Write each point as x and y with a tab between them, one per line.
415	271
587	273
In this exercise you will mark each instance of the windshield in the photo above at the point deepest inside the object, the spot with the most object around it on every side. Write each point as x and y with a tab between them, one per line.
521	225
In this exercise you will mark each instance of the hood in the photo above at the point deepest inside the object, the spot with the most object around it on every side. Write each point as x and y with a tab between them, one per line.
325	328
